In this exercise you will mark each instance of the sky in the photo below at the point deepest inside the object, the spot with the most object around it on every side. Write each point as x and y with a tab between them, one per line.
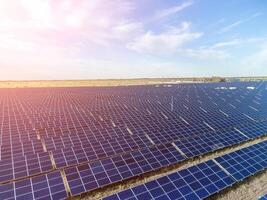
92	39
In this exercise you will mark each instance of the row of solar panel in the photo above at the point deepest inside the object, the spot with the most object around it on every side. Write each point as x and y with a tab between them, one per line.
23	166
107	113
139	127
81	138
107	147
45	187
202	180
245	162
165	110
162	136
196	182
98	152
145	162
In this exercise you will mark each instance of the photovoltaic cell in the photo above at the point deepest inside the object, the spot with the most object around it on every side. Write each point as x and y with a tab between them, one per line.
202	144
245	162
254	130
111	170
100	136
49	186
197	182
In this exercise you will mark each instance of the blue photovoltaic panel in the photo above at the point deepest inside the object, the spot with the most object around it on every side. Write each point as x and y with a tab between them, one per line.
121	132
21	167
48	187
111	170
199	145
245	162
254	130
264	197
197	182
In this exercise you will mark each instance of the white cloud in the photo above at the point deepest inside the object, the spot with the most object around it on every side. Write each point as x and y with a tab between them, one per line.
166	42
231	26
173	42
239	22
226	44
127	29
10	43
47	15
237	42
170	11
205	54
221	51
257	60
39	12
29	27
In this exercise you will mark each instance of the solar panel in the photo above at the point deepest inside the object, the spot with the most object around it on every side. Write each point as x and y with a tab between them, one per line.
121	132
49	186
254	130
263	197
232	167
197	182
24	166
209	142
111	170
245	162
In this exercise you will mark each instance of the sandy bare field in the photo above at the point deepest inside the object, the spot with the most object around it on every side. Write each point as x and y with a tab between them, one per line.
81	83
250	189
117	82
100	82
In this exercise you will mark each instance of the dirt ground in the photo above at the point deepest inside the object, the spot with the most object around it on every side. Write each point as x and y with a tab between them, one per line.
118	82
85	83
252	188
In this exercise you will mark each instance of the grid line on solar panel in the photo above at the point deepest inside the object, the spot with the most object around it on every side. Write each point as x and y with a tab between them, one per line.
115	169
74	155
254	130
239	141
69	117
197	182
202	144
245	162
22	167
252	159
253	156
48	186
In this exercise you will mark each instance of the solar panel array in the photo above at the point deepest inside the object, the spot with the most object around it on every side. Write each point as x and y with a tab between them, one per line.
47	186
102	135
202	180
197	182
245	162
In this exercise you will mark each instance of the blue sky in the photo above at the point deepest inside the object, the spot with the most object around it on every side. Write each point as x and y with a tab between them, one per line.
80	39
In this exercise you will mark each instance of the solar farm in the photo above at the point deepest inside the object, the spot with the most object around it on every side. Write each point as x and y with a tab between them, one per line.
132	142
